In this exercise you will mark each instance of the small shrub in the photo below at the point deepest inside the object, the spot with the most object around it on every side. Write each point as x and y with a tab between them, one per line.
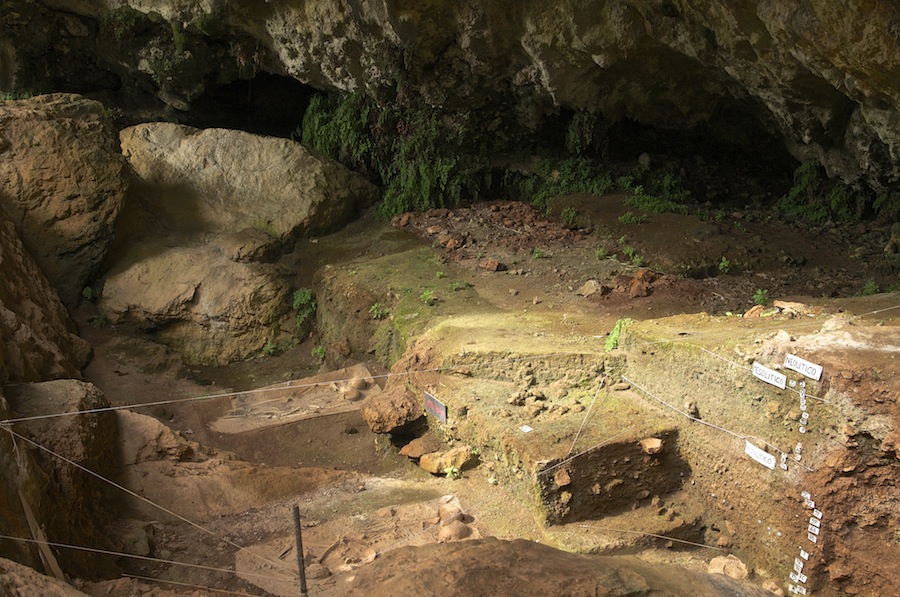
568	216
600	253
454	286
870	287
439	274
538	253
612	341
629	218
304	304
270	348
318	353
100	320
724	265
428	297
761	297
451	472
378	311
87	293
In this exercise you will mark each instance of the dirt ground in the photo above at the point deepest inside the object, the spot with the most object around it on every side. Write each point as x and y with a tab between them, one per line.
359	498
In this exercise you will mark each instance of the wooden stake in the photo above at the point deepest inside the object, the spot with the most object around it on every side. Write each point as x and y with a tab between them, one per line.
301	567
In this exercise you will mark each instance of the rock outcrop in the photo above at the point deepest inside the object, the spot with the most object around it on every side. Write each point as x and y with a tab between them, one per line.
208	209
17	580
820	76
204	305
74	505
62	184
38	338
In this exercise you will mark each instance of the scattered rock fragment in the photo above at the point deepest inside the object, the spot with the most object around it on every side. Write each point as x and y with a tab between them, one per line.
728	565
589	288
438	463
651	445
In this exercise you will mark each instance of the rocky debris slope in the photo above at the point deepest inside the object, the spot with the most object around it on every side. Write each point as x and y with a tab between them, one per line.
62	183
820	76
39	340
17	580
209	208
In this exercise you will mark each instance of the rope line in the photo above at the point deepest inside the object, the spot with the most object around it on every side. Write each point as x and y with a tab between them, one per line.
140	497
138	557
591	526
583	452
584	420
723	429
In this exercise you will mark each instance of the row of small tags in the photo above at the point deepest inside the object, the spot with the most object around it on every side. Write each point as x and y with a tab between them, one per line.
813	529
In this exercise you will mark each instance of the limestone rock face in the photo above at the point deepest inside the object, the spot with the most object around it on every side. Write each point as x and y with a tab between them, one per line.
204	305
62	183
38	338
227	181
819	75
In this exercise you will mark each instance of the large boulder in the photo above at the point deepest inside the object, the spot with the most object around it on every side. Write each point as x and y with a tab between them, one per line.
225	181
206	306
38	337
62	183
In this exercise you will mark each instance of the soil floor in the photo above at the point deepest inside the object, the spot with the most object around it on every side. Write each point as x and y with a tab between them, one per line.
358	497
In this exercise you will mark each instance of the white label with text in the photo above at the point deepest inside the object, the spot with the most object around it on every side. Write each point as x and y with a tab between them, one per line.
769	375
803	367
760	456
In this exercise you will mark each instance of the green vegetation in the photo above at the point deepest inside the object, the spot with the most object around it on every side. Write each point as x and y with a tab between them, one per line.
631	254
612	341
304	304
538	253
99	320
454	286
568	216
870	287
600	253
270	348
761	297
424	155
629	218
378	311
439	274
560	177
428	297
88	294
15	95
318	353
815	198
451	472
724	265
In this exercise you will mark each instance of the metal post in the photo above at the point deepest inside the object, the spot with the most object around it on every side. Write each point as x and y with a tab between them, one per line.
301	567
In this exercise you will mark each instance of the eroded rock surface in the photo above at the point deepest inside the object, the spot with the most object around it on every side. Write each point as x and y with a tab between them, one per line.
62	183
39	340
208	307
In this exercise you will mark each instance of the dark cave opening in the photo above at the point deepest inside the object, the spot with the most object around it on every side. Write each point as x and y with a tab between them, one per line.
267	104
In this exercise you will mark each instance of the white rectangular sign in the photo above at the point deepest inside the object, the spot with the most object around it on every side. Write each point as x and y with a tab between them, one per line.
768	375
803	367
760	456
